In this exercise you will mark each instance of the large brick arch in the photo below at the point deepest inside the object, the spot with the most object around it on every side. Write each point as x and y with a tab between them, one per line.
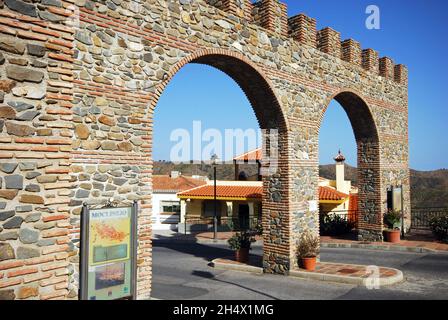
370	222
260	93
247	75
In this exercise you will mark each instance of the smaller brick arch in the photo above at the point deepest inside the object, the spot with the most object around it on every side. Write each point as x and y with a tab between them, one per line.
358	112
369	224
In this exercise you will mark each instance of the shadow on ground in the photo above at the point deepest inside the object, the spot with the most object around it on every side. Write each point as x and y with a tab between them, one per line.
201	250
211	276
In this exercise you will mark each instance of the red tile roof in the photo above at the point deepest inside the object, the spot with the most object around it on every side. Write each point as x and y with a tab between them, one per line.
251	192
164	183
251	155
327	193
353	202
225	191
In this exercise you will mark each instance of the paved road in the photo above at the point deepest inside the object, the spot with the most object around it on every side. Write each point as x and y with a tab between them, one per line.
181	271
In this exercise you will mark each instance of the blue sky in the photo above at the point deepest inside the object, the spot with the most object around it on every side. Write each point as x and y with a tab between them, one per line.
412	33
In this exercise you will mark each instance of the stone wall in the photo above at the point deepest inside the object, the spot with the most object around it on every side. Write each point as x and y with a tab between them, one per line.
81	80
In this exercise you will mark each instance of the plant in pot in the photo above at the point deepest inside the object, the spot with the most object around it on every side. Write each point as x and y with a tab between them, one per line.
241	243
392	221
308	250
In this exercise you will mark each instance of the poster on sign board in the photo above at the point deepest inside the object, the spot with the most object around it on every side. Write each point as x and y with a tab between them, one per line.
108	253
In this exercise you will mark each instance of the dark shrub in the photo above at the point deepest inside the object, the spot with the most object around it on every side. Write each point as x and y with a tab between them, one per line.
334	225
439	227
241	240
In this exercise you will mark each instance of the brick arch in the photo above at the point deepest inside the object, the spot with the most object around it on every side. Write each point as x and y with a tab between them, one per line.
266	105
365	129
361	118
255	85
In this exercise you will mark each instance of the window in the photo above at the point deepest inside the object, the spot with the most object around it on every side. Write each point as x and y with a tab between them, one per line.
170	207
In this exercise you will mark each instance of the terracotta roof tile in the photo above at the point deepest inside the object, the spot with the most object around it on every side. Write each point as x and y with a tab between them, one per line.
225	191
254	192
164	183
327	193
251	155
353	202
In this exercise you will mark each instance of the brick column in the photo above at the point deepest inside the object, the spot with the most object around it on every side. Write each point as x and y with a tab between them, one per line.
370	220
276	215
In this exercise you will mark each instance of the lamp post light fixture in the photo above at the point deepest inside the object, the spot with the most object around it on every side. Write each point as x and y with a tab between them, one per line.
214	161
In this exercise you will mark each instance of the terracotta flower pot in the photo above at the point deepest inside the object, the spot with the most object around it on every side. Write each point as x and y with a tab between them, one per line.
392	236
242	255
309	264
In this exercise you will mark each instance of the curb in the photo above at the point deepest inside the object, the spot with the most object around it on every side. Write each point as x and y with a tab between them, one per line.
379	247
236	267
307	275
383	281
204	241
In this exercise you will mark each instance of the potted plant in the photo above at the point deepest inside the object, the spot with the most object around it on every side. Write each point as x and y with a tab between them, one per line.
392	221
241	243
308	250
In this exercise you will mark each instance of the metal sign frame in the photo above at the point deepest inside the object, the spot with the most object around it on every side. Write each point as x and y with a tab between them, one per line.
84	251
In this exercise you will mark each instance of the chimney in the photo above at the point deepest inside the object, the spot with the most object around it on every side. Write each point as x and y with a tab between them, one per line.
174	174
340	179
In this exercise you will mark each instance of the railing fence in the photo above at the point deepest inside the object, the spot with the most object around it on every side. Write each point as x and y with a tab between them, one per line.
421	217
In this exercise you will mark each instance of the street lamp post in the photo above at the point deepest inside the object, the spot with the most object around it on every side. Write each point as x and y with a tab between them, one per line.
214	159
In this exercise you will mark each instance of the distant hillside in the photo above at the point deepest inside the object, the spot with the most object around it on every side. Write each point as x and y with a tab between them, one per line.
223	171
428	188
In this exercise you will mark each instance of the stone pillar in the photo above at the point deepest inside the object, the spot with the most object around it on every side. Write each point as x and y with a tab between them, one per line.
183	210
370	219
229	205
278	246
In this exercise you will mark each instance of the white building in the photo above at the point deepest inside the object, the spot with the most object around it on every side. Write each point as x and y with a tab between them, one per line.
165	203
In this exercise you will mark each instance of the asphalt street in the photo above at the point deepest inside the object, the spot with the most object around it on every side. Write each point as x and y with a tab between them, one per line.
181	271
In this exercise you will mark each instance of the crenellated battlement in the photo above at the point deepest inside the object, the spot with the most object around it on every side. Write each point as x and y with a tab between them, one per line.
240	8
352	52
329	41
370	60
303	29
272	15
401	74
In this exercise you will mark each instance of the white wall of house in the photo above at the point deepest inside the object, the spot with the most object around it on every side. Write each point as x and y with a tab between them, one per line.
159	221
